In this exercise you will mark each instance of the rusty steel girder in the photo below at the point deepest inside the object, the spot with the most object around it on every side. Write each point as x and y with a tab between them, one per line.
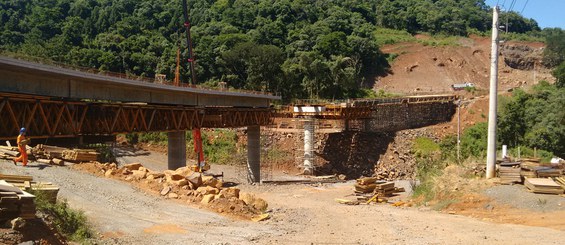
45	117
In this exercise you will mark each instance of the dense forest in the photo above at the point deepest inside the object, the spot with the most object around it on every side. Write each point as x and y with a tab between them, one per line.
297	48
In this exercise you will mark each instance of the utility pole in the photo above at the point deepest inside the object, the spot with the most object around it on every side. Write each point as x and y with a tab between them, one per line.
493	93
459	131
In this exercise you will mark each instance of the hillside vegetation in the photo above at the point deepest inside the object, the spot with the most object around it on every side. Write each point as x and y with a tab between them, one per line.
298	48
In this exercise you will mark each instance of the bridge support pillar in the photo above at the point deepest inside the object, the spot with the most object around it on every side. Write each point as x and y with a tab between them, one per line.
176	149
309	139
254	154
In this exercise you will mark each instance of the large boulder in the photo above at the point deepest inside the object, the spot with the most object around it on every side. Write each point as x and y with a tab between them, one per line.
211	181
205	190
133	166
207	198
138	174
195	179
253	201
184	171
230	192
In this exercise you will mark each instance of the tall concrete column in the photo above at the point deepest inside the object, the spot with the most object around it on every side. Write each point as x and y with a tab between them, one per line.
176	149
309	146
254	154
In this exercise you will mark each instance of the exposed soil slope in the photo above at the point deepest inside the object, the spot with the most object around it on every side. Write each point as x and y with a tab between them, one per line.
428	69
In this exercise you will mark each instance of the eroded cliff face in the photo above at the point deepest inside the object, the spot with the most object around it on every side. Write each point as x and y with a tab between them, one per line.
521	56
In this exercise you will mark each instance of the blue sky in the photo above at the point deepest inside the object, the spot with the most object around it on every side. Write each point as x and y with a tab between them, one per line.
548	13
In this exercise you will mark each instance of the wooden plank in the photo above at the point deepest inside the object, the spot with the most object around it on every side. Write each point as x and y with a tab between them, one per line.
45	161
542	182
16	178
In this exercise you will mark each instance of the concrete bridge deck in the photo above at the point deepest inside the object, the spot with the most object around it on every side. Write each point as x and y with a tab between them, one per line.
24	77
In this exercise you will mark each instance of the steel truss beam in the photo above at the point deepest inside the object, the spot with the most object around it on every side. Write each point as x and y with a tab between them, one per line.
44	117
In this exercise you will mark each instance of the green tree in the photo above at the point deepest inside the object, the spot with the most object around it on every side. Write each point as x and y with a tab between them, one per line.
559	74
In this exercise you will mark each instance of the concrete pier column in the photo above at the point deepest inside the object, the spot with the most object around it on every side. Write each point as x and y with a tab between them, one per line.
254	154
309	146
176	149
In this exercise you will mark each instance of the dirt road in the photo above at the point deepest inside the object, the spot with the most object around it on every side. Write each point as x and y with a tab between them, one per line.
301	214
125	215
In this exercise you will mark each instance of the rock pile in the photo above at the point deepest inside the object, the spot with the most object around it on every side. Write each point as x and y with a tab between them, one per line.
185	184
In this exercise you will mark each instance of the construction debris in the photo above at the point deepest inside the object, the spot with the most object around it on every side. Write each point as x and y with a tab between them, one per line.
545	186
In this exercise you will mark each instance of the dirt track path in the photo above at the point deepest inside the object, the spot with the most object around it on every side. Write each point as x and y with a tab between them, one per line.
316	217
302	214
125	215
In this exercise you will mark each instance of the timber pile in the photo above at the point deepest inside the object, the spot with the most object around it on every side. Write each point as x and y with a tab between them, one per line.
26	183
369	189
79	155
15	203
560	181
545	186
57	155
8	152
48	151
509	172
549	172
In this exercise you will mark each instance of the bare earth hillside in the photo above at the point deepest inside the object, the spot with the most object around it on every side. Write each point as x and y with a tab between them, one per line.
428	69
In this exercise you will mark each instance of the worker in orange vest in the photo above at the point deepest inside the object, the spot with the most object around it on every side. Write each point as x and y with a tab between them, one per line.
22	142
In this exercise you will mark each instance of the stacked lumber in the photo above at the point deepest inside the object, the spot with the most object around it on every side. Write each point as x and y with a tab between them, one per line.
369	189
48	151
8	152
549	172
366	185
529	168
385	189
560	181
545	186
26	183
79	155
15	202
509	172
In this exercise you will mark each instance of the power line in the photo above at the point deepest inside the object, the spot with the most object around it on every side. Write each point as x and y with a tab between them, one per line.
503	3
524	6
512	5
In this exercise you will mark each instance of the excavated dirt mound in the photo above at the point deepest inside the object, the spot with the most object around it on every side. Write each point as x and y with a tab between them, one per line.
427	69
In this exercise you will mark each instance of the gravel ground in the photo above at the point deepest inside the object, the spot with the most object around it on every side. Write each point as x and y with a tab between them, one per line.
301	214
125	215
518	196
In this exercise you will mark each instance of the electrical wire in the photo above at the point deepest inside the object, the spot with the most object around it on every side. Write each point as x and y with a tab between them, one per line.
512	5
524	6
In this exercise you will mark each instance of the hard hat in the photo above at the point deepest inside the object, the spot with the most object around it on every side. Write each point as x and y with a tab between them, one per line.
22	130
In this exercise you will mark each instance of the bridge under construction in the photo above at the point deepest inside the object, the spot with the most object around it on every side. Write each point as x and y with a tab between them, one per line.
53	101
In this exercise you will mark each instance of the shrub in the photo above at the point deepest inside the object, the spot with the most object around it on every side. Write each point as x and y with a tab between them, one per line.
72	223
